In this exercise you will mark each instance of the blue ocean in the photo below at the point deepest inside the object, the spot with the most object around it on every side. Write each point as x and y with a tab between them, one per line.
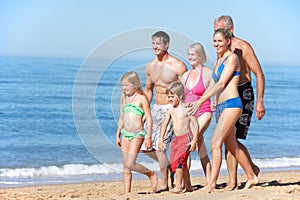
58	121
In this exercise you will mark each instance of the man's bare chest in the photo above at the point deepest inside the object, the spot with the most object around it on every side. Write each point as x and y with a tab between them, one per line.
164	74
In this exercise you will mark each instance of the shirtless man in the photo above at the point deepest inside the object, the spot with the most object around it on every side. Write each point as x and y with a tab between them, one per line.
161	72
248	62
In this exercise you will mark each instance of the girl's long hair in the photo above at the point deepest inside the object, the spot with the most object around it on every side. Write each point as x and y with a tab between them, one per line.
133	78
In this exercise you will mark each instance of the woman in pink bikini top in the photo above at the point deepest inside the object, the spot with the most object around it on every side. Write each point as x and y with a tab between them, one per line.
195	82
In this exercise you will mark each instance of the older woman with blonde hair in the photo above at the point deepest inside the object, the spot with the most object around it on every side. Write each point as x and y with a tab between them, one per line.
195	81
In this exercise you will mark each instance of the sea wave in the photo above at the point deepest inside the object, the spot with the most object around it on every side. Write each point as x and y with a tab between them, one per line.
65	170
115	168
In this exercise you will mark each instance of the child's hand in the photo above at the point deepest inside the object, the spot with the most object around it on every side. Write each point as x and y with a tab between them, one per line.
193	146
148	143
118	142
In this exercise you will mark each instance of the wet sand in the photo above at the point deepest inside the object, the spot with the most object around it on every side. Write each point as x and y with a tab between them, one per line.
284	185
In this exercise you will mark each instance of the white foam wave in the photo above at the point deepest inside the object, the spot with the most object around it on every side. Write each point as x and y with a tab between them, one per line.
65	170
278	162
84	169
283	162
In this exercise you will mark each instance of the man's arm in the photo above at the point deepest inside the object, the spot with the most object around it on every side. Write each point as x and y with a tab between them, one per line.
149	85
181	69
252	61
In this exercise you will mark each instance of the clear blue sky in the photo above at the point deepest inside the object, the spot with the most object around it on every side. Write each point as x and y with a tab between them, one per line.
73	28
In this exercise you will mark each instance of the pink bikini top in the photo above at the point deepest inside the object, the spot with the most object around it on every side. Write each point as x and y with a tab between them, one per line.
196	92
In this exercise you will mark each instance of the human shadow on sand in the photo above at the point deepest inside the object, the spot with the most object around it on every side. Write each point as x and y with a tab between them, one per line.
276	183
242	185
261	184
271	183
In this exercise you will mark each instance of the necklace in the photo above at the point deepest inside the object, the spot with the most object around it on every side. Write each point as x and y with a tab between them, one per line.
130	100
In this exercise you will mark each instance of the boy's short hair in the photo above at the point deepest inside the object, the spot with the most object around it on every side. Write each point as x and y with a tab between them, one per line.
176	88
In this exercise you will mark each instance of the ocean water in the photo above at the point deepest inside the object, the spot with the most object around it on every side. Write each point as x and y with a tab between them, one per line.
58	121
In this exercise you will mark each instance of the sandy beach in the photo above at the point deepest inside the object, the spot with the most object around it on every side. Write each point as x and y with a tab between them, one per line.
273	185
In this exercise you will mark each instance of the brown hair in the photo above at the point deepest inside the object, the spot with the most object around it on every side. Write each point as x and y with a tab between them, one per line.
163	35
226	34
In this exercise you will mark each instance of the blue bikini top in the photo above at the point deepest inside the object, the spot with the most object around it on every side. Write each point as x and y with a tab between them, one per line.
216	76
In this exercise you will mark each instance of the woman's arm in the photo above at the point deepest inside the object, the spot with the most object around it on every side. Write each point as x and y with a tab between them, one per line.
230	66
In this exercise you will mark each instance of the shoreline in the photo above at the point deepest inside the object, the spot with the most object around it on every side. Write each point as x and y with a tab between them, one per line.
92	178
83	173
272	185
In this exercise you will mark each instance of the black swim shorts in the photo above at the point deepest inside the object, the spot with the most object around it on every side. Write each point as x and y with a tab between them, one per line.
243	123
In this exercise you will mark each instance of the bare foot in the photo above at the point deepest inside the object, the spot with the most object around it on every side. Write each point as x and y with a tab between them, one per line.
191	189
207	188
162	190
251	182
230	186
176	190
154	181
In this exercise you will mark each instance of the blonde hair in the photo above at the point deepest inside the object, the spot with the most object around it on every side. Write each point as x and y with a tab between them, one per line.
133	78
176	88
199	49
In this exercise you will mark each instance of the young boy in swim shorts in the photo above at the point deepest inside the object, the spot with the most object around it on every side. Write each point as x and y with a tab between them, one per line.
183	142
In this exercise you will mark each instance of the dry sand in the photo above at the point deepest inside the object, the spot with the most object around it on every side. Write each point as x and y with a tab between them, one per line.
273	185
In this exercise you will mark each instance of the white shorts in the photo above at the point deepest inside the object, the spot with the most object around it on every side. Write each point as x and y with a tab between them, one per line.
158	113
